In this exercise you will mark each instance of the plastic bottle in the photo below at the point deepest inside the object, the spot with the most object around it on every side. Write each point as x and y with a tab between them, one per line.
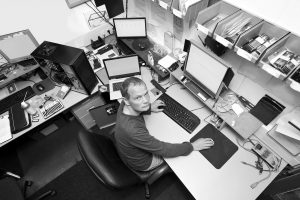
29	109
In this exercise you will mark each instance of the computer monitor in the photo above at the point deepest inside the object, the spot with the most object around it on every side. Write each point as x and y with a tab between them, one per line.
122	66
130	27
17	46
205	70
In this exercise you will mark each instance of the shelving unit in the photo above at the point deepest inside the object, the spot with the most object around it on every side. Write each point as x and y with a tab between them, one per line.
290	42
260	28
208	19
222	27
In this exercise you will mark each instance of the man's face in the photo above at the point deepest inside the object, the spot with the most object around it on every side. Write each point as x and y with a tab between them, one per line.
139	98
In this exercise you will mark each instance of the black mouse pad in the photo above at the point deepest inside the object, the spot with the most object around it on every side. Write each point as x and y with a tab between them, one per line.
222	150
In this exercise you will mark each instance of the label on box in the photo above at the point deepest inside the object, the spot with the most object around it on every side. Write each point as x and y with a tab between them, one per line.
177	13
223	41
202	29
163	4
271	70
244	54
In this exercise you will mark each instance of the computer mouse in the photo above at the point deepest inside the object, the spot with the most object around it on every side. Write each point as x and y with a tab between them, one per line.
161	106
40	87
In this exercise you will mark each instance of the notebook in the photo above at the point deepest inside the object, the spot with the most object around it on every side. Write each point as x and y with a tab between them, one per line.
222	150
118	69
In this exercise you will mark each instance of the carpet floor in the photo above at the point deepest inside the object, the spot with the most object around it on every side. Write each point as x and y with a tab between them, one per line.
78	183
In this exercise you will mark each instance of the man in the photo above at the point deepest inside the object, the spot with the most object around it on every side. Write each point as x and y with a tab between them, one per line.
137	148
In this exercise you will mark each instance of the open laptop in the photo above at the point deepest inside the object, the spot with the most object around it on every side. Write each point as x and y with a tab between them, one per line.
118	69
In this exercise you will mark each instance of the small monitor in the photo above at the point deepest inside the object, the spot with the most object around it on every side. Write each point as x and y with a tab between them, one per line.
205	70
123	66
130	27
17	46
113	7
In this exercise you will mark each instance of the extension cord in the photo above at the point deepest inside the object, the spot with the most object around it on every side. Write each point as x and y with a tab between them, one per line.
267	156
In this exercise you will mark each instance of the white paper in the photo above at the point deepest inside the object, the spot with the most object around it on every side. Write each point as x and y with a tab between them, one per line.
5	132
167	61
177	13
288	130
223	41
163	4
237	109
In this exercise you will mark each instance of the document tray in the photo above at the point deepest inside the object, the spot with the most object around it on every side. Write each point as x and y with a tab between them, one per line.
222	150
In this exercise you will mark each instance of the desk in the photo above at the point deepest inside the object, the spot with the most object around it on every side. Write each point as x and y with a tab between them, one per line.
71	99
231	181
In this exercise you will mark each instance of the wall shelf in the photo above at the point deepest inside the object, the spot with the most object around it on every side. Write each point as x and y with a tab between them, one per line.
208	19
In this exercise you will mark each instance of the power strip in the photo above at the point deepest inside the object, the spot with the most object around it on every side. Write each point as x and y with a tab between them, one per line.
267	156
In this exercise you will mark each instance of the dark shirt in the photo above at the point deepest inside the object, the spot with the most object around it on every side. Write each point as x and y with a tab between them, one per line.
136	146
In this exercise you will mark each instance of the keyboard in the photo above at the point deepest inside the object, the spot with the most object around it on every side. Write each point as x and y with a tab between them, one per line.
182	116
28	62
16	97
50	107
117	86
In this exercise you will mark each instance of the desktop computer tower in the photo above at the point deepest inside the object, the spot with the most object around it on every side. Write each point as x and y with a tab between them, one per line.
66	65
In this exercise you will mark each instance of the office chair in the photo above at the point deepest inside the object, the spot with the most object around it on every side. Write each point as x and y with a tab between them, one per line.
99	153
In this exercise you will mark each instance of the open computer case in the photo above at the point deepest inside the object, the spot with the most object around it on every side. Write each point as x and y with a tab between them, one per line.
66	65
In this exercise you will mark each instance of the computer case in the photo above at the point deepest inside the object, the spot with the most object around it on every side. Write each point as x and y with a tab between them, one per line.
66	65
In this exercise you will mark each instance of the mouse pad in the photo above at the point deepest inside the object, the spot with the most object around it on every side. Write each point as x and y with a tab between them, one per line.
222	150
47	85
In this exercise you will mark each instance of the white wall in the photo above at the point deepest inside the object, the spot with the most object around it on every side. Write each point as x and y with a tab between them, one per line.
50	20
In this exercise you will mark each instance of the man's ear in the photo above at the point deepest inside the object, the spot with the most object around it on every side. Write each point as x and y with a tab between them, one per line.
126	101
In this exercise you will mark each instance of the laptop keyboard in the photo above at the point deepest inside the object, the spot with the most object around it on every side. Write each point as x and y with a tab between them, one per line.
117	86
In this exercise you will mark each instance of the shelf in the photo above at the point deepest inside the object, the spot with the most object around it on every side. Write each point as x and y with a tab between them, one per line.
240	18
208	19
289	42
184	19
261	28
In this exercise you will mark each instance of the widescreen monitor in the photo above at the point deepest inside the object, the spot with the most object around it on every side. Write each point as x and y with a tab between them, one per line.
205	70
130	27
17	46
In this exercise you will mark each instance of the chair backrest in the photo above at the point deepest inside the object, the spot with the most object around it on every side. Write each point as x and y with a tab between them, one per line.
102	158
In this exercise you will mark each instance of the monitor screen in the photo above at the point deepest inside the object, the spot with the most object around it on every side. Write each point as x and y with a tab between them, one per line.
130	27
123	66
17	46
204	69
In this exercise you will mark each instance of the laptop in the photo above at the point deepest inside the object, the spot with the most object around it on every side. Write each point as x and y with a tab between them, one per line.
118	69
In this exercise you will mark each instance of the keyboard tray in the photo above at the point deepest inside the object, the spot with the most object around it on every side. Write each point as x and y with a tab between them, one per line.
222	150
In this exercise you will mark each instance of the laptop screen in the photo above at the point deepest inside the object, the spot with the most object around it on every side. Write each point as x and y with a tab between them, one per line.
123	66
130	27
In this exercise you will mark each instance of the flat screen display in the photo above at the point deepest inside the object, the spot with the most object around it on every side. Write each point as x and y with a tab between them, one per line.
17	46
122	66
130	27
205	70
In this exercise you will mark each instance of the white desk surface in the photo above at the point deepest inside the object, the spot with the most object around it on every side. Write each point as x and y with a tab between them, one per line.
203	180
70	100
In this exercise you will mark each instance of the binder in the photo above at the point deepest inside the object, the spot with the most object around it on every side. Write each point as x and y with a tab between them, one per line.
19	118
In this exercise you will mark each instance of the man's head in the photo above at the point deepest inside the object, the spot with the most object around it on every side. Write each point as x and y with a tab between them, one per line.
135	94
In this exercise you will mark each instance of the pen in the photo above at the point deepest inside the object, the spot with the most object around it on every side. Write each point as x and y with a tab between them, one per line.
296	127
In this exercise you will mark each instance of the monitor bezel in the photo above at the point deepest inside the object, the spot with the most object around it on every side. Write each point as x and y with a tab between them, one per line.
131	18
16	60
197	82
121	76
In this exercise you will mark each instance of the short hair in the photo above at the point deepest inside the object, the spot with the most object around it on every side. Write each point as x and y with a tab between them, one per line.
128	82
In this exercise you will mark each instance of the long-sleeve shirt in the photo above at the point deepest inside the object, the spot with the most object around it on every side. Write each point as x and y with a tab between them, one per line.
136	146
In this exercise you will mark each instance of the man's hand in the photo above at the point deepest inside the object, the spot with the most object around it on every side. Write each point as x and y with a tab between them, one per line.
157	106
202	143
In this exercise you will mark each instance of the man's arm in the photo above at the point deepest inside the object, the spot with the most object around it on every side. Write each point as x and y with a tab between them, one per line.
143	140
